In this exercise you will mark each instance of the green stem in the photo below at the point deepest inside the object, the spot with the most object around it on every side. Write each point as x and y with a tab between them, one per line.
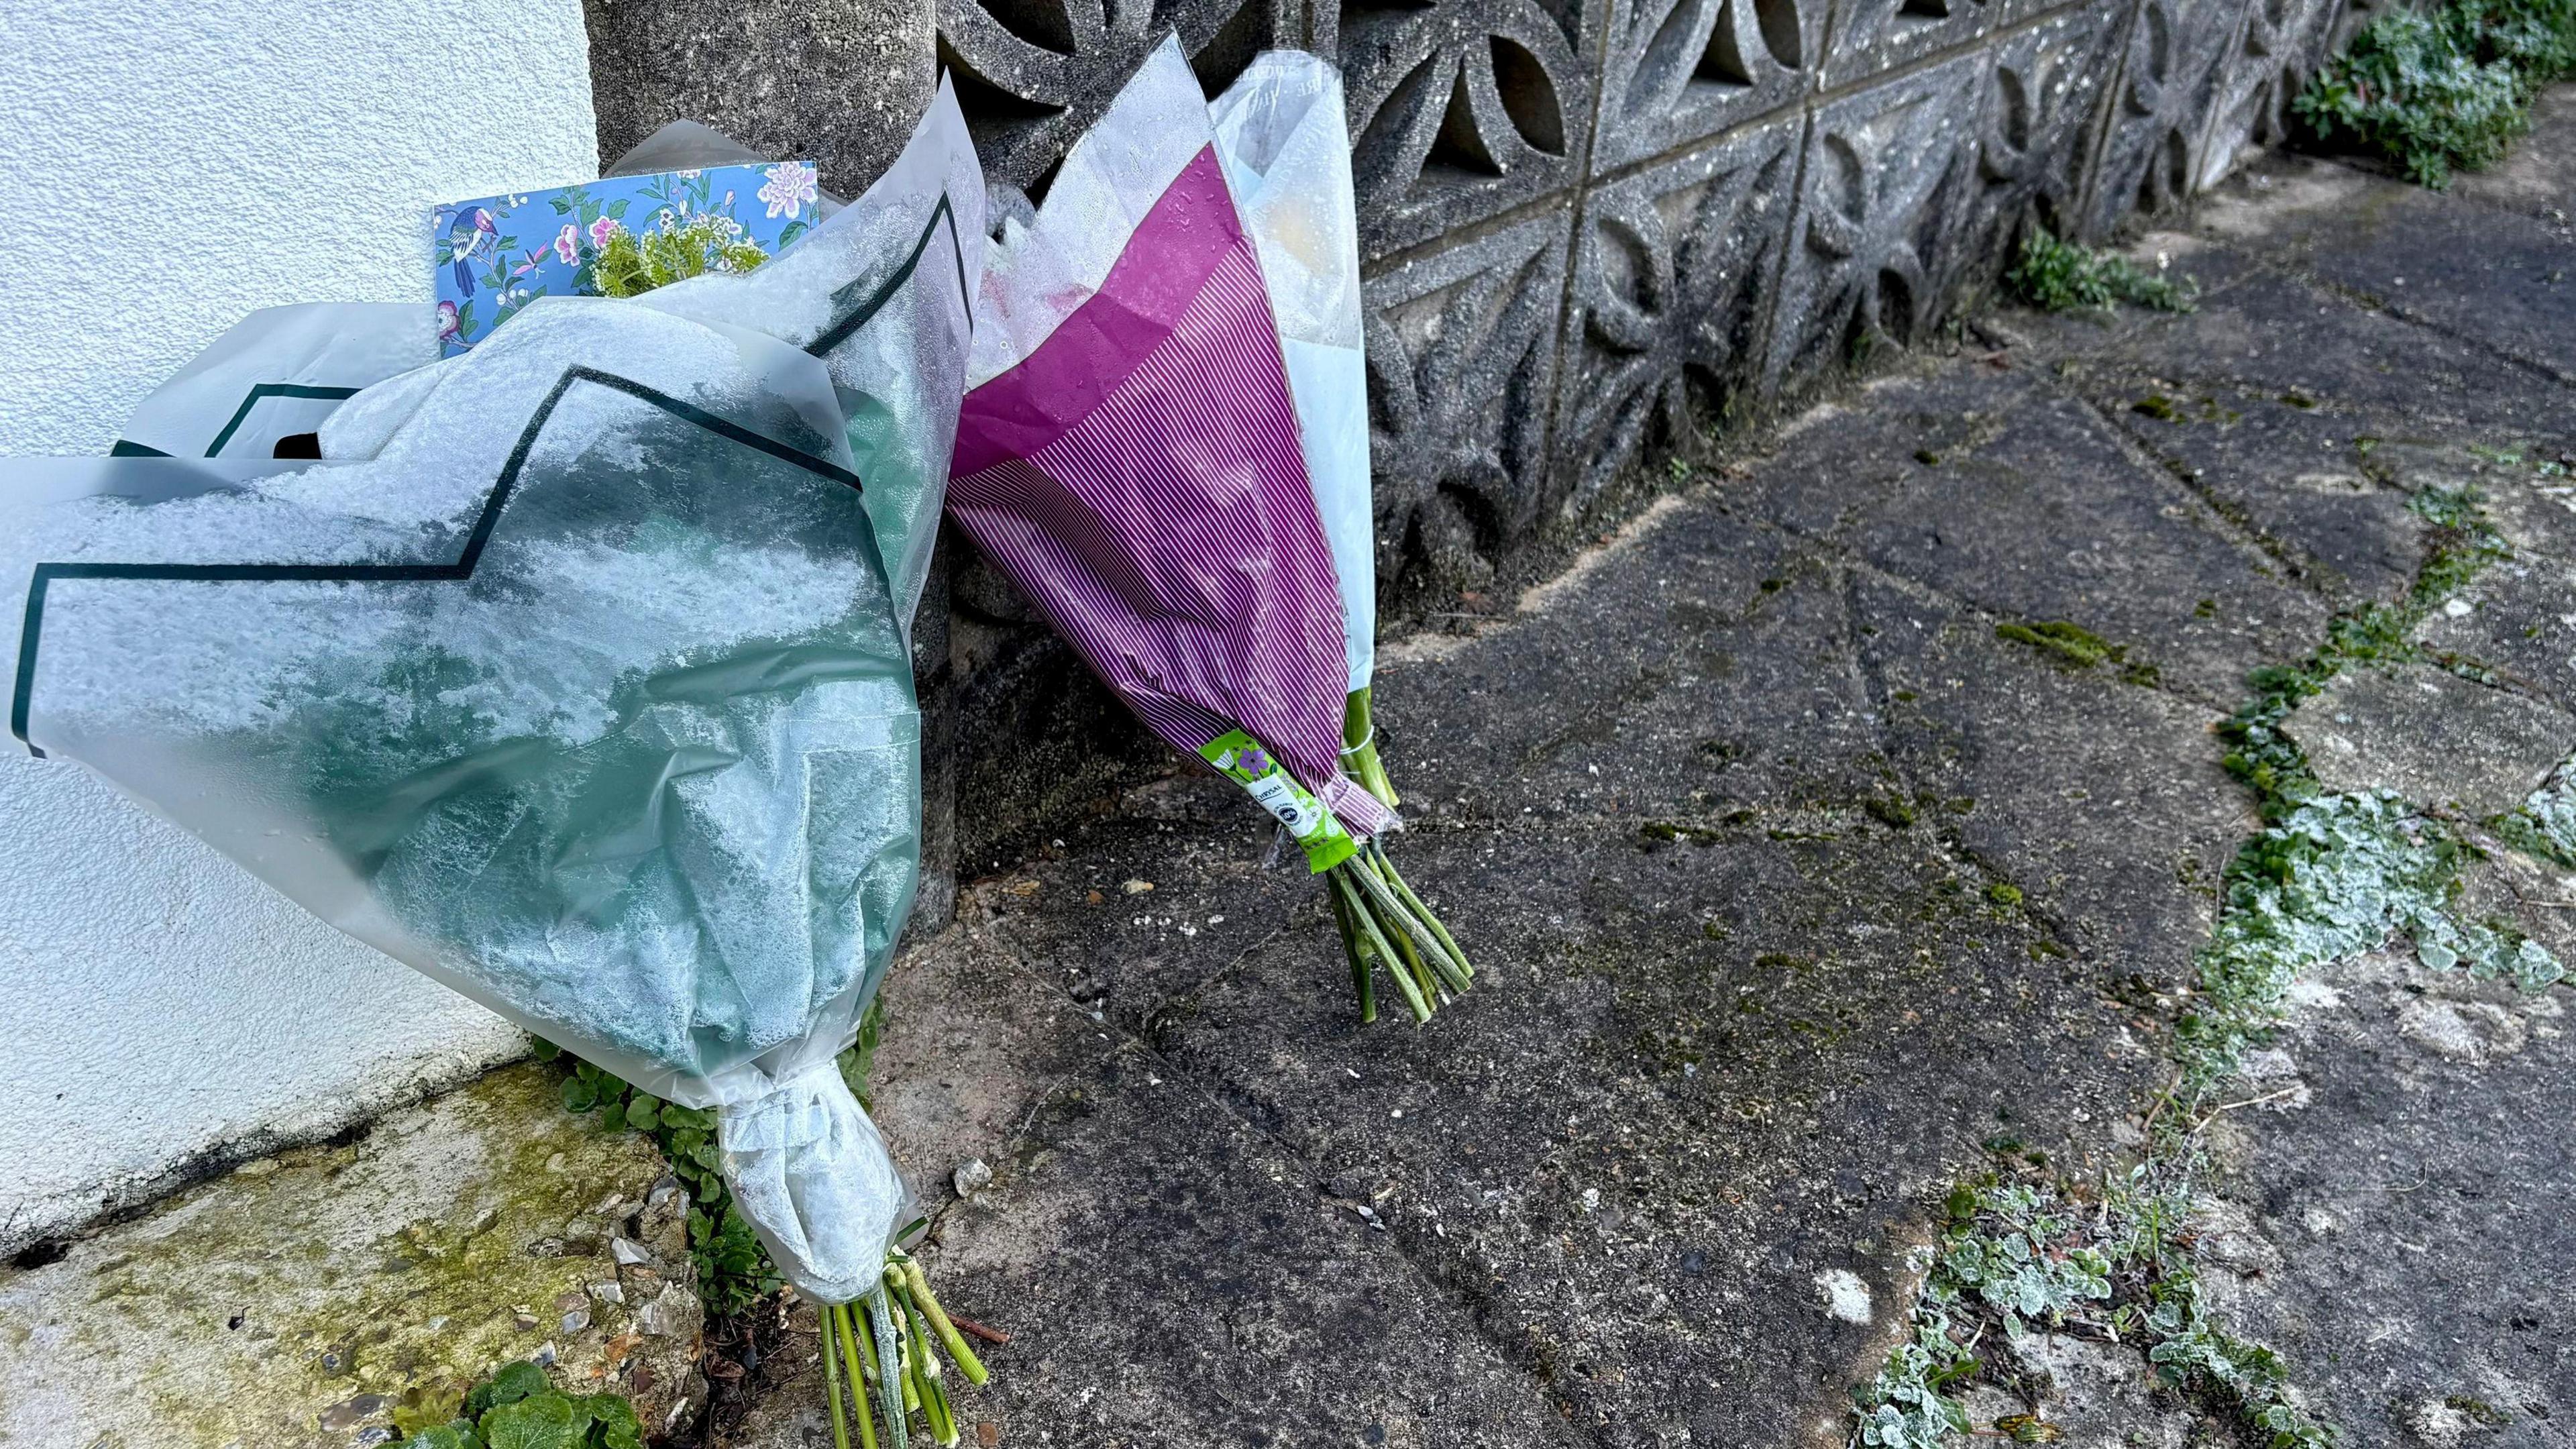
917	1284
1395	878
1407	959
890	1385
858	1386
1359	749
1363	980
1405	924
925	1374
832	1378
1341	878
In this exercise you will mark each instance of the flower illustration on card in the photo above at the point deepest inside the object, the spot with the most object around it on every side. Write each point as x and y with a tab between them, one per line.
790	185
496	255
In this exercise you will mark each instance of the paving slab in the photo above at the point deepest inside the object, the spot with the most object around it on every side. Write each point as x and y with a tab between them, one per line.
1700	1084
1821	469
2519	618
2493	275
2295	471
2100	801
2400	1215
1169	1273
1715	657
2432	736
2274	333
2048	518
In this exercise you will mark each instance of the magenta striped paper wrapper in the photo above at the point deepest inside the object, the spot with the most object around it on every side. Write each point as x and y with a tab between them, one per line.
1139	477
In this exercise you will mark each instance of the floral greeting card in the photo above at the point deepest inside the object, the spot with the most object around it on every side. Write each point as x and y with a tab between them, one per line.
613	237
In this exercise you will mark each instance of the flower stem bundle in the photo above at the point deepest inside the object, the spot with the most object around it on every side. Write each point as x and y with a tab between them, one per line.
886	1338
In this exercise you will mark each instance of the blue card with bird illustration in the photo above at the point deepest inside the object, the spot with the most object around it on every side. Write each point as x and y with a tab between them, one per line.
496	254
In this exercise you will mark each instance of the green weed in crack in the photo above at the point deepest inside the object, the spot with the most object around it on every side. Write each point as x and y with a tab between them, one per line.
2544	826
518	1408
2330	875
734	1271
2264	759
2072	647
2111	1263
2062	276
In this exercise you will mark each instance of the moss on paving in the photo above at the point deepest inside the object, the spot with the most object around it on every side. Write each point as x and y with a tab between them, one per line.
2071	646
2330	876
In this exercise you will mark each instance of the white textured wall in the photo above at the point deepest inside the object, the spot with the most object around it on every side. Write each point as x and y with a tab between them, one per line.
170	166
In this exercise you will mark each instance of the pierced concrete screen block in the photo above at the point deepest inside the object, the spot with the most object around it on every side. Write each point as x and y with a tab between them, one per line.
2281	45
1462	360
2169	80
1878	230
1872	36
1033	75
1460	110
1673	266
1680	71
2042	98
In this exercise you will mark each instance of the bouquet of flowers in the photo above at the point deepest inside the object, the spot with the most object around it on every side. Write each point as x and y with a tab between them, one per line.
1154	441
575	674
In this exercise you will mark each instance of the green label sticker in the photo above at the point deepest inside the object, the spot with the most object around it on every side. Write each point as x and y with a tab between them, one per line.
1241	758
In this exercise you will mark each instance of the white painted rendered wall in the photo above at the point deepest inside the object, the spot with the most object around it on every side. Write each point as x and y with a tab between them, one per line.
170	165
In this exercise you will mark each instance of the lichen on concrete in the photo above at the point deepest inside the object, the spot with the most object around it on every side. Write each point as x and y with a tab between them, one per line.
307	1299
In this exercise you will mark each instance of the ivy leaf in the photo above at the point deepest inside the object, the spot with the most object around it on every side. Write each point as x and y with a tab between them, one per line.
458	1435
578	1095
613	1117
545	1050
643	1113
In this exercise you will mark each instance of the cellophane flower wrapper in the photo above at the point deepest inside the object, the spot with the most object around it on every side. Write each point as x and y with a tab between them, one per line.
1130	455
576	678
1287	155
277	374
